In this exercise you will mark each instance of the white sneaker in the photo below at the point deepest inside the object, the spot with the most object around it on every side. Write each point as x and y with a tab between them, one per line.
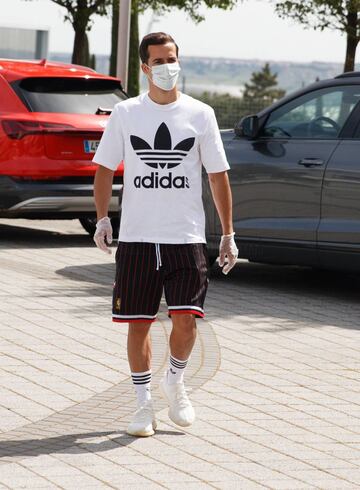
181	411
143	423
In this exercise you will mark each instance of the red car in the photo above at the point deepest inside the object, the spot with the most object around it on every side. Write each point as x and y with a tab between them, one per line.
52	116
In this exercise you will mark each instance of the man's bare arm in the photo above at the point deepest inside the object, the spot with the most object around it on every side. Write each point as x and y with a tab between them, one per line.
103	190
221	192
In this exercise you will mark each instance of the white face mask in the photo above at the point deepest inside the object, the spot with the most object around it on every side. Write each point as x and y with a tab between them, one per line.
165	76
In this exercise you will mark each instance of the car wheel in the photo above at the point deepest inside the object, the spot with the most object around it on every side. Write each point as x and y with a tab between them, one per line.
89	224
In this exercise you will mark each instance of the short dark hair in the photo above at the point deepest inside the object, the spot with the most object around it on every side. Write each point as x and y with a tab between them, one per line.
154	38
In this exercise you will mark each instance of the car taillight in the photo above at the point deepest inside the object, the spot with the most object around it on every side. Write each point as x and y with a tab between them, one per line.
17	129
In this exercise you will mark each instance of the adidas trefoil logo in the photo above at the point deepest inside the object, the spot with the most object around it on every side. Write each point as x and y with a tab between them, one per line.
162	155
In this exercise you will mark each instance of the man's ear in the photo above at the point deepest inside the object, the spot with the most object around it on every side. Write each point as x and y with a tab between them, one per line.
145	69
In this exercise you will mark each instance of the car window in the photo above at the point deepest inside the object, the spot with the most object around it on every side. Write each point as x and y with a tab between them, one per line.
319	114
69	95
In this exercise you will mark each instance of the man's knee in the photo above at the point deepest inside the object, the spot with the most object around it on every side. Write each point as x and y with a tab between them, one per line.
184	322
139	329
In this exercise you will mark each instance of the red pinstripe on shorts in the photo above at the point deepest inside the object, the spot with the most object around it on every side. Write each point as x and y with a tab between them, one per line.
140	281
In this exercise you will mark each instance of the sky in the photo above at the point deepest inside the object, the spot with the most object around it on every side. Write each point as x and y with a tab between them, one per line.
250	31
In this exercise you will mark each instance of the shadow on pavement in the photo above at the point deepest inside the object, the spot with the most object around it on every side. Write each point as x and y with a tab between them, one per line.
24	237
101	274
292	279
70	443
296	295
298	282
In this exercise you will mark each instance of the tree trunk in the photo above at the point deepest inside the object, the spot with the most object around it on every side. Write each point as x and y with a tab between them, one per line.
92	61
352	40
134	67
80	54
114	36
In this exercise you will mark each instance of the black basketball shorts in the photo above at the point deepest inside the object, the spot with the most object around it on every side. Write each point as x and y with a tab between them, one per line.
144	270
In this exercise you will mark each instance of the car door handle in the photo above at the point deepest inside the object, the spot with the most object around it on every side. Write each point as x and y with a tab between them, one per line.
311	162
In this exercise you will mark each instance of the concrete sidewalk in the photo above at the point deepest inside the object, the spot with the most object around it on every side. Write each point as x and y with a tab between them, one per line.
274	376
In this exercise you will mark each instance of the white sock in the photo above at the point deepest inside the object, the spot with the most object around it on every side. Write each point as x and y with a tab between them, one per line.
175	372
142	382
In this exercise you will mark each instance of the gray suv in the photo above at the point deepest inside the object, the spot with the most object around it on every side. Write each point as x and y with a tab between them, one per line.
295	177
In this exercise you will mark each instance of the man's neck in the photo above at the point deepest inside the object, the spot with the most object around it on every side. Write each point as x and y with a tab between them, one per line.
163	96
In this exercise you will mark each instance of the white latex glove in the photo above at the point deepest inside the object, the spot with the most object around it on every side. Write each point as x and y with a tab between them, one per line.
228	250
103	234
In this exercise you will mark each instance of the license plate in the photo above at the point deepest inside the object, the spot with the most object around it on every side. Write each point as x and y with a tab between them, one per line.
90	146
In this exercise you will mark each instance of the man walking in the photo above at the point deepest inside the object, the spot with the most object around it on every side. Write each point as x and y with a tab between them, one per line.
164	138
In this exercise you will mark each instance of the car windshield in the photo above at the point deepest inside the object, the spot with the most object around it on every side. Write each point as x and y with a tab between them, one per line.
69	95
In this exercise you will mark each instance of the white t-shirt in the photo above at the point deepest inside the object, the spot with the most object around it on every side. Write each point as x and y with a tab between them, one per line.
163	148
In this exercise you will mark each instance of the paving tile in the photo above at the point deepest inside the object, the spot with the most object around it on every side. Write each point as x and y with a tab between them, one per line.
289	484
194	485
274	377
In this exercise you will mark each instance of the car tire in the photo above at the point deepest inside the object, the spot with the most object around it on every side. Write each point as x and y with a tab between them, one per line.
89	225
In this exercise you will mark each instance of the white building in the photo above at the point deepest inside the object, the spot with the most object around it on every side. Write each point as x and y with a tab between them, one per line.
23	43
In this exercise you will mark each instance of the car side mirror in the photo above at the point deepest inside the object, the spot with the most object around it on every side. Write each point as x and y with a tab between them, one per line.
248	126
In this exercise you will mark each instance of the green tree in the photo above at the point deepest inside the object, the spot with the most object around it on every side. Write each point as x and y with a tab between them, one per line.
229	109
263	86
92	62
79	13
340	15
160	7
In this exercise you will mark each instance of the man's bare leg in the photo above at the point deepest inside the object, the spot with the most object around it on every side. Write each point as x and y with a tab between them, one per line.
183	335
139	346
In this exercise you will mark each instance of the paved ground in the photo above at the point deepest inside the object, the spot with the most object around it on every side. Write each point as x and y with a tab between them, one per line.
274	376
